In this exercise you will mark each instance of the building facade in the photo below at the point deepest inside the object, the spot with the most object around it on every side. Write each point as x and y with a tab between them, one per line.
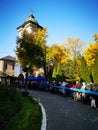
7	65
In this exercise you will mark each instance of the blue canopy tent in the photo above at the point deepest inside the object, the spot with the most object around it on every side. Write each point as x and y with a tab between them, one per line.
32	78
38	78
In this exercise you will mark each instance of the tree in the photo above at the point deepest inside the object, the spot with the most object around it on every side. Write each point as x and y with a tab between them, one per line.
95	70
72	69
56	55
91	51
76	65
68	71
30	48
95	36
91	57
75	47
85	72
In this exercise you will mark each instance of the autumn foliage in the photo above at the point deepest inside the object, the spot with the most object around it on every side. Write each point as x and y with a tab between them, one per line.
90	53
68	60
30	48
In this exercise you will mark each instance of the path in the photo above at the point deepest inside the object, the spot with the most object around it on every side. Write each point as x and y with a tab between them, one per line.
66	114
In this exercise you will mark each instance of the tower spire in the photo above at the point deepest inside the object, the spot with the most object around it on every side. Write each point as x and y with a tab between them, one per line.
31	12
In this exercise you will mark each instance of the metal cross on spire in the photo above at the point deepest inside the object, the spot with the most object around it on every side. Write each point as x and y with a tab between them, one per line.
31	12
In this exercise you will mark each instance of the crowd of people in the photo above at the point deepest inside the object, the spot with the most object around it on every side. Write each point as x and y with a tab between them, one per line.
63	88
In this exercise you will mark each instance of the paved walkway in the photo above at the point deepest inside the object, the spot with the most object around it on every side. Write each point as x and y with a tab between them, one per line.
65	114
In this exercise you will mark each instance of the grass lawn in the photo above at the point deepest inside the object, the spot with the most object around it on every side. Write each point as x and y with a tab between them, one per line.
18	112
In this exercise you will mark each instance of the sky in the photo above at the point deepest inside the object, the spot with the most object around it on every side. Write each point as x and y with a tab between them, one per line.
62	18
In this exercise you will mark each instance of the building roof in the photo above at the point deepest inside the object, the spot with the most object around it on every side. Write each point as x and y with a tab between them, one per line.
31	19
8	58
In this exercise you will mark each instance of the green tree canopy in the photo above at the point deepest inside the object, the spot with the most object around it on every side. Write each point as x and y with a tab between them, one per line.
85	72
30	49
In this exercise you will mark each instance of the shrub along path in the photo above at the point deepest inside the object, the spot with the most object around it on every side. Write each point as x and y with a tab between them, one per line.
66	114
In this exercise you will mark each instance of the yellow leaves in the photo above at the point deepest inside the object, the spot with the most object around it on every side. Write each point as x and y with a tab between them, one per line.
90	53
75	46
57	53
40	36
95	36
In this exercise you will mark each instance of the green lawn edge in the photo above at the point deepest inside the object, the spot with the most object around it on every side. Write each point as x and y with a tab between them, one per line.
19	112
